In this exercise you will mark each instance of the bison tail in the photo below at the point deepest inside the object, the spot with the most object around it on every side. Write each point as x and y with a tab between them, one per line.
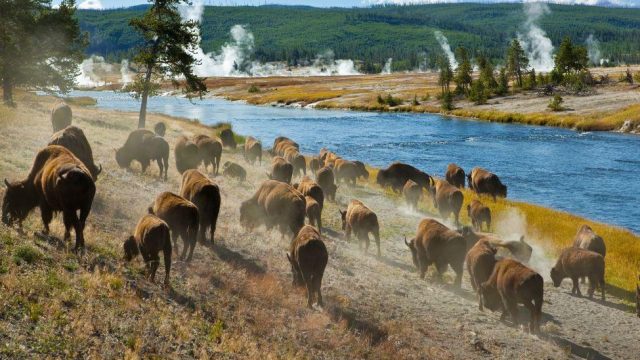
150	210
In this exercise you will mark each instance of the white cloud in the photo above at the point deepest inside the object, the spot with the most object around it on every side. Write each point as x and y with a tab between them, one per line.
631	3
91	5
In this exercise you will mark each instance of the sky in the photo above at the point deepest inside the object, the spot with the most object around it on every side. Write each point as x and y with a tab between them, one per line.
108	4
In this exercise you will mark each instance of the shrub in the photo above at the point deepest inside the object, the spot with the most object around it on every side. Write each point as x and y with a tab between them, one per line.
389	100
556	103
426	97
479	93
415	101
253	89
447	101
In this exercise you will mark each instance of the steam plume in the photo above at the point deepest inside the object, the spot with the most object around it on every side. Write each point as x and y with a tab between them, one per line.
92	72
444	44
593	49
534	40
387	67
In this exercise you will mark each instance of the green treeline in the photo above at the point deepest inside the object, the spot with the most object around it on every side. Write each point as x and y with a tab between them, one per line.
372	35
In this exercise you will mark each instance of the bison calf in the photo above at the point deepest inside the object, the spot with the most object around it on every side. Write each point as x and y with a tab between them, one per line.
575	263
326	181
252	150
209	152
151	236
235	171
412	193
511	283
361	220
308	257
205	195
479	214
182	217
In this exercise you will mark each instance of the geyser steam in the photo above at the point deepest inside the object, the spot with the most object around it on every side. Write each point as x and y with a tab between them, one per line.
444	44
534	40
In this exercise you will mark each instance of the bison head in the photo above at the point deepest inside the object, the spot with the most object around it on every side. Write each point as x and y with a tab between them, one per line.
122	158
556	277
381	178
411	244
130	248
502	190
490	297
18	201
295	272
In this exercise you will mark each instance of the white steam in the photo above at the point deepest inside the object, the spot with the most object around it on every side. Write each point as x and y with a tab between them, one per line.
511	225
444	44
386	69
93	71
125	75
534	40
593	50
90	5
325	64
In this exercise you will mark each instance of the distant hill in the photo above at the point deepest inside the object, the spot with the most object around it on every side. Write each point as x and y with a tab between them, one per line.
404	33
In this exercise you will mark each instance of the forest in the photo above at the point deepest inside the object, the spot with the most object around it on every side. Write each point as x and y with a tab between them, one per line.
372	35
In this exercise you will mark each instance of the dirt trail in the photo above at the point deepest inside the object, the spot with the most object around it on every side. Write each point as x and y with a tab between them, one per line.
381	299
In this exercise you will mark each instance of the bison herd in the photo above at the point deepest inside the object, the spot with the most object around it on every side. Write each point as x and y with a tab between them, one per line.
63	175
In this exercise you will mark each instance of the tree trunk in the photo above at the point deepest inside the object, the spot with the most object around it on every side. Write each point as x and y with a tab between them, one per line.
145	96
7	89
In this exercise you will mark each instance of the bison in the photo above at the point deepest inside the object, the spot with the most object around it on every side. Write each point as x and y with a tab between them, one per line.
518	249
160	128
233	170
310	188
575	263
151	236
182	217
209	152
349	171
328	157
412	193
281	144
455	176
314	212
480	261
228	138
281	170
447	199
205	195
296	159
360	220
144	146
74	140
436	244
308	257
397	174
479	214
315	164
586	238
58	181
187	154
60	116
482	181
274	204
511	283
325	180
252	150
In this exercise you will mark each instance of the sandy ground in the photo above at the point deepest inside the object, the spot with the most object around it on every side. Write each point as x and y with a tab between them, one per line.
381	302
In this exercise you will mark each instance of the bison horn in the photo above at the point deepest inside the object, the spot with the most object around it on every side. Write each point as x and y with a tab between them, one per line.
6	182
99	169
405	242
522	238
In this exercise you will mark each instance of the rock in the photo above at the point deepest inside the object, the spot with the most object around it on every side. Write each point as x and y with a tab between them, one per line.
626	127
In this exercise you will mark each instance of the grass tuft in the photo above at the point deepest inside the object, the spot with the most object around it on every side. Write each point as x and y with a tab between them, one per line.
27	254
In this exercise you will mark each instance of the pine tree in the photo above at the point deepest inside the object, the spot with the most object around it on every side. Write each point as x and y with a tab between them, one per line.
486	73
570	58
40	47
517	61
503	82
463	72
166	53
446	74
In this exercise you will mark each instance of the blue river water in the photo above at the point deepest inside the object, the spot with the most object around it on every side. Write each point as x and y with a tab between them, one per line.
595	175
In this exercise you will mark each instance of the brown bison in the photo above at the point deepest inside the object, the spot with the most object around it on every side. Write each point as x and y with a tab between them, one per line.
575	263
151	236
397	174
436	244
511	283
182	217
479	215
58	181
480	261
274	204
519	249
412	193
360	220
296	159
455	176
315	164
484	182
308	257
228	138
447	199
252	150
281	144
144	146
235	171
310	188
281	170
325	180
586	238
74	140
209	152
349	171
187	154
205	195
160	128
60	116
314	212
328	157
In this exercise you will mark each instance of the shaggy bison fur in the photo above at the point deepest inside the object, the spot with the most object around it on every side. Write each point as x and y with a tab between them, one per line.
73	139
182	217
235	171
575	263
397	174
360	220
281	170
412	193
455	176
205	195
187	154
480	261
479	214
144	146
209	152
58	181
484	182
252	150
151	236
325	178
228	139
60	116
447	199
308	257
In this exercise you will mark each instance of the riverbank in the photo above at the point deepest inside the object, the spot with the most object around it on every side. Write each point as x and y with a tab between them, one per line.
235	299
606	109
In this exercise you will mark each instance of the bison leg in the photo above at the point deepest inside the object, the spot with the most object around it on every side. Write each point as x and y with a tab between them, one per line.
423	263
592	286
376	236
47	215
145	164
457	268
160	165
174	238
153	267
167	260
308	280
512	307
533	315
317	284
347	232
69	221
576	286
166	166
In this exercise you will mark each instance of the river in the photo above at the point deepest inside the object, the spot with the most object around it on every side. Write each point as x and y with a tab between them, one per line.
595	175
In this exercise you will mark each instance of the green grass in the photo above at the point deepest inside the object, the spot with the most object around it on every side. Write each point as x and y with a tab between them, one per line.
26	254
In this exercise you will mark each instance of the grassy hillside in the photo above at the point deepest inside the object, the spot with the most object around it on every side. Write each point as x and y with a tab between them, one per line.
376	34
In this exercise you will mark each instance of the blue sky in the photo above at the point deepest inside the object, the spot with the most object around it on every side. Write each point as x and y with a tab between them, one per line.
106	4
